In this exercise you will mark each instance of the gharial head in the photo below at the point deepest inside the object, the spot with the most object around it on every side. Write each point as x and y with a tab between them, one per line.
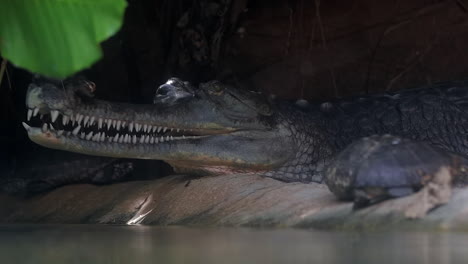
210	128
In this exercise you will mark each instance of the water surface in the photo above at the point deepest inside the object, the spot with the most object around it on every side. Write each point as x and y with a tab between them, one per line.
142	244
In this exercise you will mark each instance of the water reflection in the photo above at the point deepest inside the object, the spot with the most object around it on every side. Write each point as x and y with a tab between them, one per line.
140	244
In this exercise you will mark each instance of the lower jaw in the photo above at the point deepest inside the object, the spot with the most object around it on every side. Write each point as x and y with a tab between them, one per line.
198	165
142	147
182	161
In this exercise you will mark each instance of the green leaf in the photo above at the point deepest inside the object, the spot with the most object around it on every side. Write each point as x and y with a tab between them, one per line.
57	38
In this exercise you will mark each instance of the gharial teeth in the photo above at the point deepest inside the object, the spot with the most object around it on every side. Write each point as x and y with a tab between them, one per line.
91	121
116	138
54	114
99	123
164	130
76	130
122	139
79	118
103	136
96	137
109	123
60	133
142	139
117	126
145	128
130	126
152	140
134	139
90	134
82	135
30	111
85	122
26	126
114	123
137	127
36	111
65	119
44	127
159	129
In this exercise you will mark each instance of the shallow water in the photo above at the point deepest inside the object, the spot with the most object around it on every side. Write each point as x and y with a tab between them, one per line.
141	244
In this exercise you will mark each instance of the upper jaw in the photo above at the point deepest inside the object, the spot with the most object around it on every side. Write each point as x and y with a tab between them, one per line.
49	124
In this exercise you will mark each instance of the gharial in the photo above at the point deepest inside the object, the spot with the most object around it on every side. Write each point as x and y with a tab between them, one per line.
387	142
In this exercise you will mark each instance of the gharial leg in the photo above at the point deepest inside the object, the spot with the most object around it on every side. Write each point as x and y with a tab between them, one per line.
34	177
379	167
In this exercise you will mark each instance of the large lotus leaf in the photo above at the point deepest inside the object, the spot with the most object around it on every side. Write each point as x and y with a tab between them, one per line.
57	37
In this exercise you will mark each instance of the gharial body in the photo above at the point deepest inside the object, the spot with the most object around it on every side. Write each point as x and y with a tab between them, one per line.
218	129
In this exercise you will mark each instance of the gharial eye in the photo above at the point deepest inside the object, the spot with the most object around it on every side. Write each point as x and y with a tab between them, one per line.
80	86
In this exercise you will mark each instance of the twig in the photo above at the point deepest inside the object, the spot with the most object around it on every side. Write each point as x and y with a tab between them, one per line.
461	5
8	79
413	13
319	20
416	58
2	70
312	36
288	40
389	29
218	35
324	44
404	71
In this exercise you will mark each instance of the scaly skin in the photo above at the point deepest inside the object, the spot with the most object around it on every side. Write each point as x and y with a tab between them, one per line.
49	171
219	129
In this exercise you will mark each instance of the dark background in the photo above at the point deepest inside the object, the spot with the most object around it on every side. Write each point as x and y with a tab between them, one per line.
311	49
